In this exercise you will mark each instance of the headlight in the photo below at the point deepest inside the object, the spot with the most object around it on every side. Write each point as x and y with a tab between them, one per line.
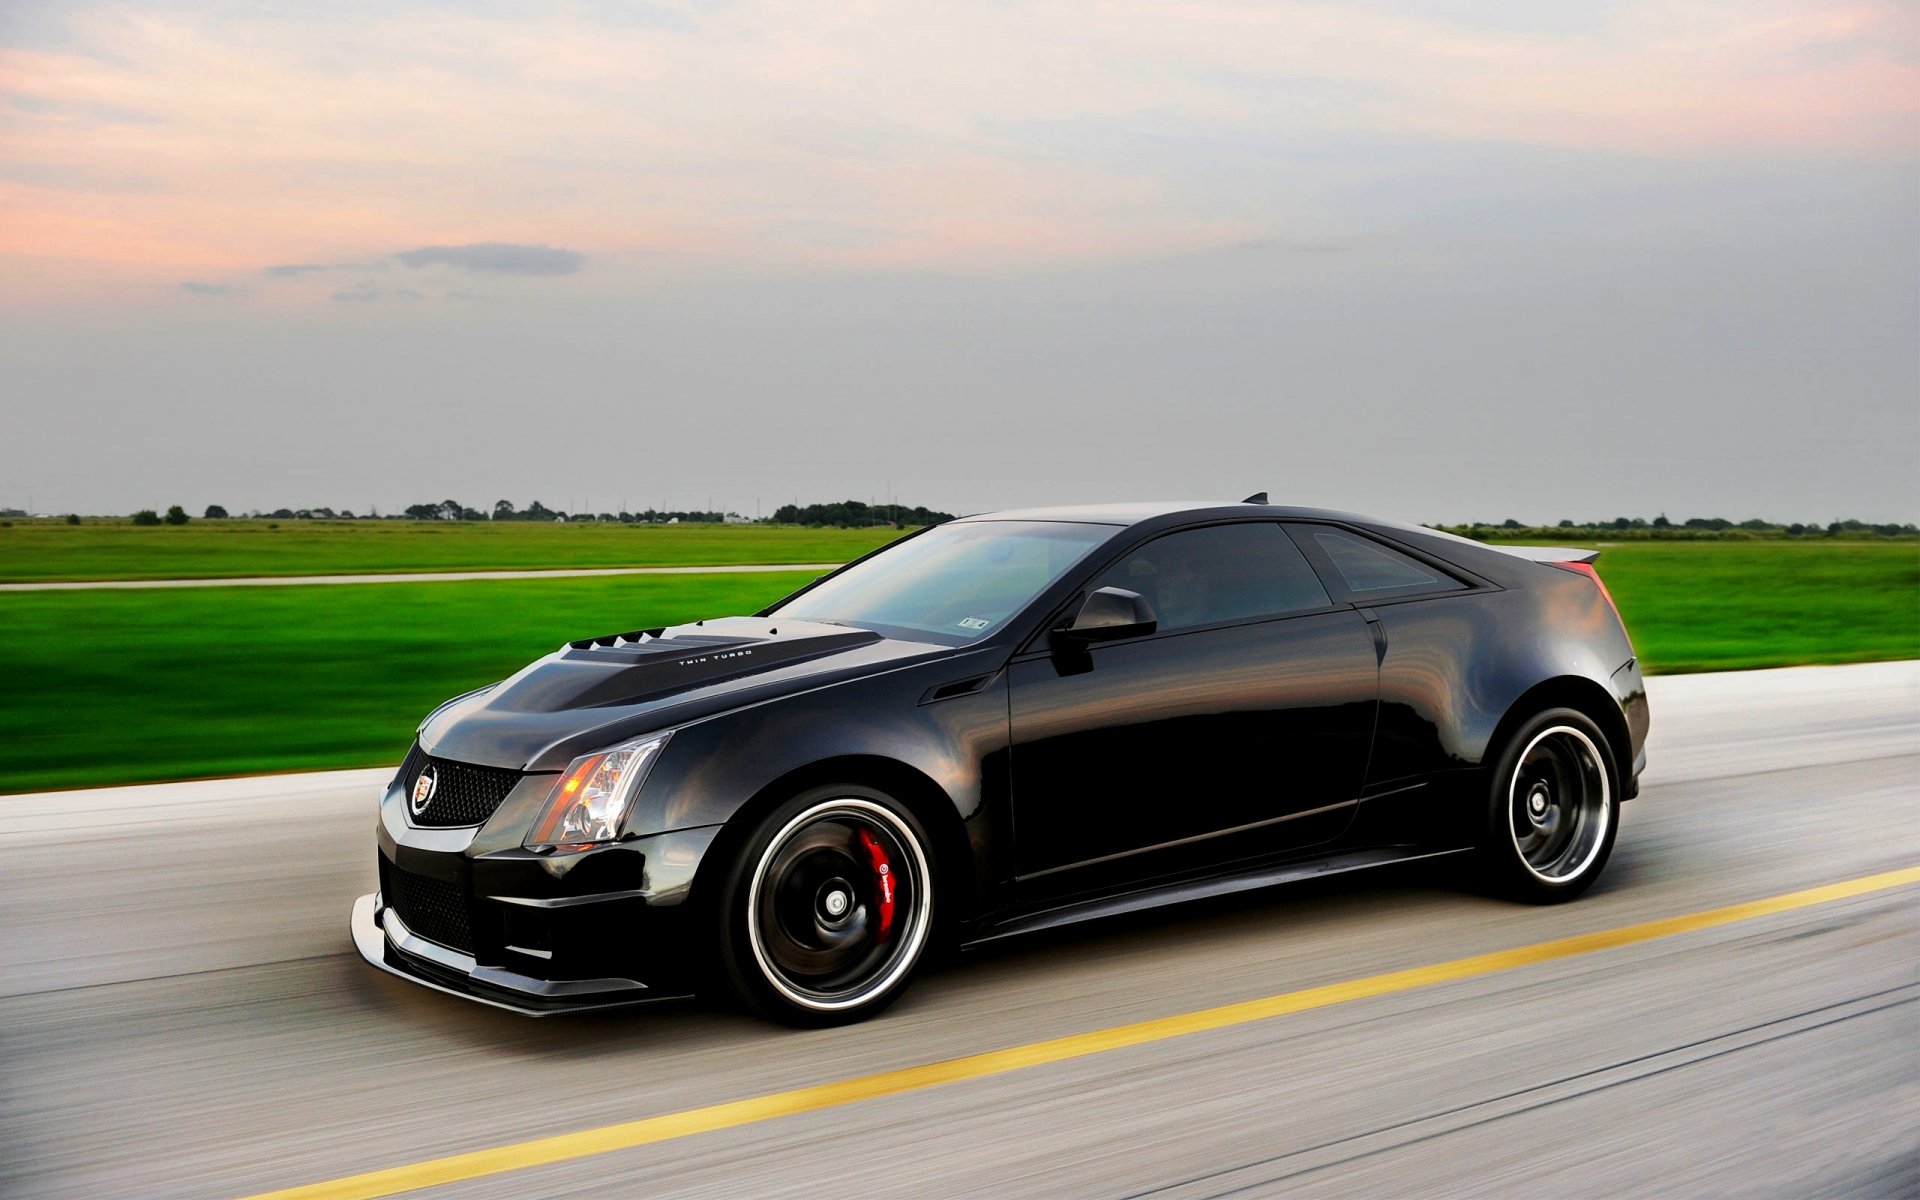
589	804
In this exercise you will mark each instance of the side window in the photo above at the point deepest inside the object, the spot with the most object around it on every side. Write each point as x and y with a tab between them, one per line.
1369	569
1221	573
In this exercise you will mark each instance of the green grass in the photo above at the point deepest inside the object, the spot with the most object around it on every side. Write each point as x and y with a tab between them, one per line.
120	686
48	550
1723	606
117	686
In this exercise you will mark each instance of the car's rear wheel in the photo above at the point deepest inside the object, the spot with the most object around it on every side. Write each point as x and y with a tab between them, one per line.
1553	809
826	913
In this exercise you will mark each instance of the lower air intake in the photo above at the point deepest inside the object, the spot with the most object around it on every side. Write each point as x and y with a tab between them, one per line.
434	910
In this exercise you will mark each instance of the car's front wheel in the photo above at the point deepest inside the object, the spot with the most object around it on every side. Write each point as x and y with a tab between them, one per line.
826	912
1553	809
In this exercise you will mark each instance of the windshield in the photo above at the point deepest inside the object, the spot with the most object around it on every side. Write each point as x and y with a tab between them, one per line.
962	580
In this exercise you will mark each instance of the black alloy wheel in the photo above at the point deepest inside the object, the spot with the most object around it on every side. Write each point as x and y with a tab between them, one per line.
828	911
1553	809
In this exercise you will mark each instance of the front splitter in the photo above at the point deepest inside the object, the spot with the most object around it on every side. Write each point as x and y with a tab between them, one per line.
374	946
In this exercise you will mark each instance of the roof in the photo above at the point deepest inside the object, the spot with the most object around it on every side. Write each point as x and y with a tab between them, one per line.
1498	564
1134	512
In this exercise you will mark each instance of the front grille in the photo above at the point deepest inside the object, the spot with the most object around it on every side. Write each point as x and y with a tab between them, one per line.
434	910
463	794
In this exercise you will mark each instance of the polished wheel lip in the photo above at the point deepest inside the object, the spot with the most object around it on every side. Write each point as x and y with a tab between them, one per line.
1602	812
916	925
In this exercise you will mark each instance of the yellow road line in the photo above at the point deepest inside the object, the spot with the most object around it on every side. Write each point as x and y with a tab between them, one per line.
733	1114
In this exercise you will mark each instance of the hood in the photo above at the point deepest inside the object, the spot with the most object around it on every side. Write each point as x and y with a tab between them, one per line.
625	684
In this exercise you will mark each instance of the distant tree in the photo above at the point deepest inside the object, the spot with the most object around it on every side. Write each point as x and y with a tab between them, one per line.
177	515
282	514
1566	524
73	518
346	514
503	510
215	513
1796	530
146	516
1661	522
846	512
419	512
1510	523
1622	523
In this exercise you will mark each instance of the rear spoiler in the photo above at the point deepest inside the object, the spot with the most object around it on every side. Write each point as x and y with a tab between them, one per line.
1567	558
1549	554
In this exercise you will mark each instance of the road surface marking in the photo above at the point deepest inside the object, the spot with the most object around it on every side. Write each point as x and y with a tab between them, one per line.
733	1114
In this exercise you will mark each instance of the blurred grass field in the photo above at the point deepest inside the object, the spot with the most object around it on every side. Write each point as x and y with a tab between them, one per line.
118	686
122	686
51	550
1727	606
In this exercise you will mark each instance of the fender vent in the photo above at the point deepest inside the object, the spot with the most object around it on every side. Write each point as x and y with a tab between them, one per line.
960	687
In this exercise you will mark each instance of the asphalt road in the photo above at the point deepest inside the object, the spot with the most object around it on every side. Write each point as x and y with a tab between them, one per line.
181	1014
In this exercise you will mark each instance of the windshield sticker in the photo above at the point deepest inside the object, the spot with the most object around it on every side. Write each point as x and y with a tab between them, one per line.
974	622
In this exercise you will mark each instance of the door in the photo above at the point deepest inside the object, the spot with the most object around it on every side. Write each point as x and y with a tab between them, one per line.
1240	726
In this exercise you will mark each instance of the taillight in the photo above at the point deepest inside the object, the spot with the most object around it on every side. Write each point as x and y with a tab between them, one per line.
1587	569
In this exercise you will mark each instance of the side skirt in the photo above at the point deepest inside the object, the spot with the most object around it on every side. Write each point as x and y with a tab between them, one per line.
1199	889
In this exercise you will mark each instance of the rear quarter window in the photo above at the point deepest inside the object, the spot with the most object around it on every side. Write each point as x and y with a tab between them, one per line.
1365	569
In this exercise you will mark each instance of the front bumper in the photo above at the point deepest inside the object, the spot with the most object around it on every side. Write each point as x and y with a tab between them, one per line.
385	942
470	912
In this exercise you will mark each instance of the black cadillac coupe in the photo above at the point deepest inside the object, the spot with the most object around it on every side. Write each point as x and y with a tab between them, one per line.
1001	724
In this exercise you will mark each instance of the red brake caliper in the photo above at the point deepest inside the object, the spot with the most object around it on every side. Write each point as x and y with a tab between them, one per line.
883	885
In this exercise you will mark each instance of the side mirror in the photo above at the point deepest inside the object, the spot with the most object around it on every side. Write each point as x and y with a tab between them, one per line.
1110	613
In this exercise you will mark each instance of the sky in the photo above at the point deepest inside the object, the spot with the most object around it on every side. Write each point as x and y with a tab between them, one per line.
1448	261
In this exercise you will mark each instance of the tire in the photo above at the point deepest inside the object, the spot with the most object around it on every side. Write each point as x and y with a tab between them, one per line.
1553	809
826	912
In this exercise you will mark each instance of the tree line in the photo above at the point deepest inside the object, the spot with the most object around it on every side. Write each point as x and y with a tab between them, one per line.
852	513
844	513
858	514
1694	528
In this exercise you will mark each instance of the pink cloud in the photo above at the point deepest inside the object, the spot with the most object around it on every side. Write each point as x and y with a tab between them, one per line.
779	132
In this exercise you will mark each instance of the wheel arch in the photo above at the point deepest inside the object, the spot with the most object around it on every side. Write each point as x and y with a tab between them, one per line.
1580	694
925	799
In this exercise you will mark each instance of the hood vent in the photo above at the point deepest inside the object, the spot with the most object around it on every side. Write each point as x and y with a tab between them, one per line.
629	668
